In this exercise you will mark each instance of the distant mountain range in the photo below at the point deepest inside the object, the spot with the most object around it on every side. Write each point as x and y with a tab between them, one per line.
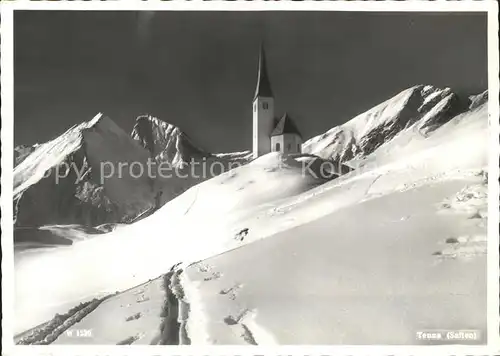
84	194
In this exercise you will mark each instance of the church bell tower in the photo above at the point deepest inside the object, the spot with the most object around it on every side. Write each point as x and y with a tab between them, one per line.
263	110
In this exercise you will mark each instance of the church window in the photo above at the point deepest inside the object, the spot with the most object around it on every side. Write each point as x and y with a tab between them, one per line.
265	106
277	147
298	147
289	147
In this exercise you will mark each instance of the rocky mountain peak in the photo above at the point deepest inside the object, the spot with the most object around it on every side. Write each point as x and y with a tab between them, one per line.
165	142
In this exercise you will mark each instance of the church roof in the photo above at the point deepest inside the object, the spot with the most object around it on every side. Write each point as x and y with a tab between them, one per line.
285	126
263	85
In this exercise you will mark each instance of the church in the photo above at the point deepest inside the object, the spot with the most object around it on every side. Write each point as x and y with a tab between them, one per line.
271	134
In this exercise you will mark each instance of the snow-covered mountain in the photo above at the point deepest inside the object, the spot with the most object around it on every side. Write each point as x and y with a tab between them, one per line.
68	180
422	108
478	100
395	246
406	228
171	148
62	181
166	142
38	200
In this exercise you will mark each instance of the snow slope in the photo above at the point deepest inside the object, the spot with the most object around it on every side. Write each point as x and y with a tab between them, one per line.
131	254
397	247
301	237
468	128
375	272
372	257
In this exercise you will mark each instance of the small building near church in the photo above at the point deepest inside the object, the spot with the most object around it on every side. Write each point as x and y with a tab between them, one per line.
285	137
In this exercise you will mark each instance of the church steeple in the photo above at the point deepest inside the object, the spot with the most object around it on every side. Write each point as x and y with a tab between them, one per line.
263	88
263	110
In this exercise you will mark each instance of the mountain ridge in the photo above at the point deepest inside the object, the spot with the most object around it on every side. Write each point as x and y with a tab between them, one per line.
82	197
165	142
368	130
67	174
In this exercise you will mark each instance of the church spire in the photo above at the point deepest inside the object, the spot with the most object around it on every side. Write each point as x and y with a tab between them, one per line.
263	86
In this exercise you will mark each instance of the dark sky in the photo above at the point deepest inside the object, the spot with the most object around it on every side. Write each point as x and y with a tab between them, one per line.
197	70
